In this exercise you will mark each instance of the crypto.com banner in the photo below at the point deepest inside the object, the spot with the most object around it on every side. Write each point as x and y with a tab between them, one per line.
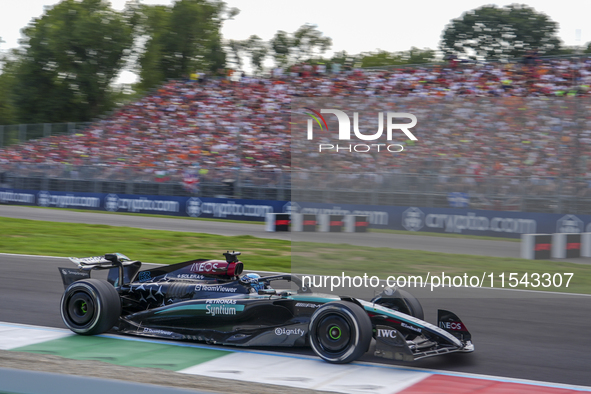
203	207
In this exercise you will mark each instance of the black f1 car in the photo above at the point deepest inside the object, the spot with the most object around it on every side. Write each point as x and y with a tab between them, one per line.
212	301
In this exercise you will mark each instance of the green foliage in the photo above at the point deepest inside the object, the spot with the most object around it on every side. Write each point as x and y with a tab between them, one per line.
281	45
180	40
70	56
257	50
383	58
236	48
254	48
7	110
491	32
155	24
305	43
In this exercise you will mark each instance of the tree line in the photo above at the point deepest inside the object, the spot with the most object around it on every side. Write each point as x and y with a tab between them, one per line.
70	56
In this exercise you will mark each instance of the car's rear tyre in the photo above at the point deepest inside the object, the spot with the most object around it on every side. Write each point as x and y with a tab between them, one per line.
340	332
90	306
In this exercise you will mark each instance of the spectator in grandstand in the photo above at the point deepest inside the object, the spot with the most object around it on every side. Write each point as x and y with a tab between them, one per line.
476	121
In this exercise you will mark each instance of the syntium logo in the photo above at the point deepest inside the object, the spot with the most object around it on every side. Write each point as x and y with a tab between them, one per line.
344	132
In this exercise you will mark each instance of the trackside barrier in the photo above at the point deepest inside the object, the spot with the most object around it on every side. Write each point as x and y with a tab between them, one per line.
335	224
309	222
297	222
586	245
303	222
356	223
566	245
330	223
323	223
277	222
536	246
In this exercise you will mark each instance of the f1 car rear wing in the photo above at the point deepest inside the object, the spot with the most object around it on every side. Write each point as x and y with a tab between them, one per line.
126	269
107	259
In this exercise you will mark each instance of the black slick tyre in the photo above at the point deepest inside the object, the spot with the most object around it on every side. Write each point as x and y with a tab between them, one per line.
340	332
90	307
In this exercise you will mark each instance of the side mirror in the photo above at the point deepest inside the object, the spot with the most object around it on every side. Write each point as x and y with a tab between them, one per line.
267	292
112	257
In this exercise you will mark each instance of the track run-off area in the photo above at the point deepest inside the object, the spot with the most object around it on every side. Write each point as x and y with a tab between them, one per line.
523	335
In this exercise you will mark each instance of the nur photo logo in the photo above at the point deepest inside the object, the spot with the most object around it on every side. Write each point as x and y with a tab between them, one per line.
344	130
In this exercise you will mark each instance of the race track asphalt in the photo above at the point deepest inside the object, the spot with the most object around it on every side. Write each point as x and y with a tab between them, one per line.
527	335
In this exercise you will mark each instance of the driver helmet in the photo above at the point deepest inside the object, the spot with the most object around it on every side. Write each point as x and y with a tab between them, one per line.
252	279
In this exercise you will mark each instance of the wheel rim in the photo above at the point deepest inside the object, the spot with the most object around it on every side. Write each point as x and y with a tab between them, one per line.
333	333
80	308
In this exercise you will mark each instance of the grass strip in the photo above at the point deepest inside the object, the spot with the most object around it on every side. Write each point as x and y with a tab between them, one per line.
155	216
152	246
165	247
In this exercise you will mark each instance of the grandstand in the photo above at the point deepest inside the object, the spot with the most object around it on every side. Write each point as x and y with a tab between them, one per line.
513	136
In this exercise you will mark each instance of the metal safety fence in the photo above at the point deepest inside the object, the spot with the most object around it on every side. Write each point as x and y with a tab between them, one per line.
20	133
500	193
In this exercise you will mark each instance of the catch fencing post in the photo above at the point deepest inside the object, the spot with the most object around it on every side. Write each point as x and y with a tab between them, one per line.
566	245
22	133
586	245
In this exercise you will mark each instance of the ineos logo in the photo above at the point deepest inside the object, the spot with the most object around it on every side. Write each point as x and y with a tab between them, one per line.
456	326
203	267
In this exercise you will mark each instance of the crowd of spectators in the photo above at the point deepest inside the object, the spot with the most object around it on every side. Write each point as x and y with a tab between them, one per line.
529	120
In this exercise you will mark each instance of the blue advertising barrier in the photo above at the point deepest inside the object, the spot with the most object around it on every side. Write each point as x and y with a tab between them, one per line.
441	220
459	221
223	208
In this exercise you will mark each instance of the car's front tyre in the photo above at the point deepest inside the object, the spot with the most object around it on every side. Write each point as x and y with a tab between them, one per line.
340	332
90	306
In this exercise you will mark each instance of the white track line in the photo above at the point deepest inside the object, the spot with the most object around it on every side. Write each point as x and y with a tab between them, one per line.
317	361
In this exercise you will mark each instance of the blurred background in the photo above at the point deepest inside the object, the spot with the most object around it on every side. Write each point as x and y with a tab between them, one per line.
179	99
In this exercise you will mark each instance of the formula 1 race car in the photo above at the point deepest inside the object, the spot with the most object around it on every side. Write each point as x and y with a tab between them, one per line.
212	301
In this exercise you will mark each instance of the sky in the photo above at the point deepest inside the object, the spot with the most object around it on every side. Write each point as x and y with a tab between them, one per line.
354	26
